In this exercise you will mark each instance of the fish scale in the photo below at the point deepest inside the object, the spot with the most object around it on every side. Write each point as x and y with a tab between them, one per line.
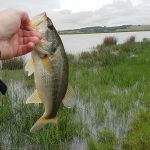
49	65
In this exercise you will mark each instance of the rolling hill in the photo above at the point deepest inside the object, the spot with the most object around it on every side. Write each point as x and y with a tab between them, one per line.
100	29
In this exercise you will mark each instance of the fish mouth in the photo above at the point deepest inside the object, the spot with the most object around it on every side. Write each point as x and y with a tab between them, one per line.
37	21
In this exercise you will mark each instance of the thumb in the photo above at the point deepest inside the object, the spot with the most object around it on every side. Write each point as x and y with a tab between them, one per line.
25	21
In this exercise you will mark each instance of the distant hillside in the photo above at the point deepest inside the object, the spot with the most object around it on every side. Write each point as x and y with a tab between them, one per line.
100	29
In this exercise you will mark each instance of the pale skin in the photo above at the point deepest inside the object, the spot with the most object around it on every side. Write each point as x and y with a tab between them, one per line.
16	39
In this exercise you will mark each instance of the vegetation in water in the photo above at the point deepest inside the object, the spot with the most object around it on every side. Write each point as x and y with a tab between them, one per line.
131	39
109	41
112	87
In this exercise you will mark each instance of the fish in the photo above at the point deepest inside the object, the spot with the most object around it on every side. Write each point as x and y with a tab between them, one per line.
3	87
50	67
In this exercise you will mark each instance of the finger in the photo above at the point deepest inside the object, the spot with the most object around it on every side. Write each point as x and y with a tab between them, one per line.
24	49
26	33
25	21
25	40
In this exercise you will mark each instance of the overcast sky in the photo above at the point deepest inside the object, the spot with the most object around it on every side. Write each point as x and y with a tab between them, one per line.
69	14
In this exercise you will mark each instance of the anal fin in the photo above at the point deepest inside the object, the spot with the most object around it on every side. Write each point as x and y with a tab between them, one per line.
34	98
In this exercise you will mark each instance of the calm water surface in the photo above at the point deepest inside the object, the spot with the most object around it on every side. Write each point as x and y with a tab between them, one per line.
77	43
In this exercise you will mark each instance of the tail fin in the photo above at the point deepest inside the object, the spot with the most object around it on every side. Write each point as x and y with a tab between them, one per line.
42	122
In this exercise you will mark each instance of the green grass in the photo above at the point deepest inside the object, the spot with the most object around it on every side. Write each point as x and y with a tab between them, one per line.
112	85
139	137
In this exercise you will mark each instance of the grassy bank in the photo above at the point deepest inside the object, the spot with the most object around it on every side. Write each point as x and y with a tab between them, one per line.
112	85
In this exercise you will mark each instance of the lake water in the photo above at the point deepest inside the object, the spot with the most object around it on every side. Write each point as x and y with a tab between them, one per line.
77	43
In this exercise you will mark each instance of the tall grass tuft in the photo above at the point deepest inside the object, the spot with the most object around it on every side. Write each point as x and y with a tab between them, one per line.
13	64
85	55
70	57
131	39
110	41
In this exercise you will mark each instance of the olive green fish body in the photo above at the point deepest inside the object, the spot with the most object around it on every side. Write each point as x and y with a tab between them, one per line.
50	67
51	84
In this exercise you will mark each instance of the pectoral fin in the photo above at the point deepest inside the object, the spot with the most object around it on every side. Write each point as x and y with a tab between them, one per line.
47	64
42	122
34	98
69	99
30	67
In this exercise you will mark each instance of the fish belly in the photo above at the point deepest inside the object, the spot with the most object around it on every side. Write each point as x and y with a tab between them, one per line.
44	85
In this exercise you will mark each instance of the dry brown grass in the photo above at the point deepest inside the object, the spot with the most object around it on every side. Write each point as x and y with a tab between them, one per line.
131	39
110	41
13	64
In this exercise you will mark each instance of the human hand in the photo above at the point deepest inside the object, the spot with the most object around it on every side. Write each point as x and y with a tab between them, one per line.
15	37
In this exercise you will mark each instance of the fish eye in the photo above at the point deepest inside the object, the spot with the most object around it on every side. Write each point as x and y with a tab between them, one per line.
50	26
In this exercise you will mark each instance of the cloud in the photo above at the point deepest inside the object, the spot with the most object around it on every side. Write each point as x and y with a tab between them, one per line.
84	5
117	13
32	6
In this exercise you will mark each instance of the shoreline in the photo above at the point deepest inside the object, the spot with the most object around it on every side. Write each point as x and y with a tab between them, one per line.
102	32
